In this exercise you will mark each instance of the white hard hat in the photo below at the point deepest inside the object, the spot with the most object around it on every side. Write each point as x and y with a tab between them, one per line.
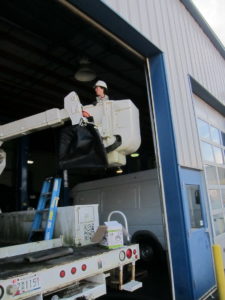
101	84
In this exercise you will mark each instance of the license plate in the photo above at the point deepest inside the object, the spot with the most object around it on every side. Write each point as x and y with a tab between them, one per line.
27	283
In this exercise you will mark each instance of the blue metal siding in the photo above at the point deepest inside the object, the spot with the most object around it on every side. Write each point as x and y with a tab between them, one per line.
171	180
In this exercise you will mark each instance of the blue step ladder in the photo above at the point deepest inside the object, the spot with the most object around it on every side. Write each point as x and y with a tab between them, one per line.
49	194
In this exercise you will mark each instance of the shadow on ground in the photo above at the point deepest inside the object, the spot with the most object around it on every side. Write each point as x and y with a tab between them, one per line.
156	286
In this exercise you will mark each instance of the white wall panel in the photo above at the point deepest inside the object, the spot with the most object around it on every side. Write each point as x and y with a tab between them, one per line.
208	114
188	51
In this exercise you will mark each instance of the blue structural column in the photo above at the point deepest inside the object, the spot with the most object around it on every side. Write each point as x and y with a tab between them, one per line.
66	198
22	185
172	188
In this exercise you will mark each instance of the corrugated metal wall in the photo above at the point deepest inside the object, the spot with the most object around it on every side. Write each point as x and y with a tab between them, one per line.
168	25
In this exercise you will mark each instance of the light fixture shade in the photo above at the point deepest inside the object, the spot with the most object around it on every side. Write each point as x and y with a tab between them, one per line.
135	154
119	170
85	74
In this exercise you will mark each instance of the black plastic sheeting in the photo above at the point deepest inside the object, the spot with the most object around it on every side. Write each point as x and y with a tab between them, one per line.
81	149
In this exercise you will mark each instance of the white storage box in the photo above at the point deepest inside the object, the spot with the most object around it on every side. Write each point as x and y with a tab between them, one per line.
77	223
109	235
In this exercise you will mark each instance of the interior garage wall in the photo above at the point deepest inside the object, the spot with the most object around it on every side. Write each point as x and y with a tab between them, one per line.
187	51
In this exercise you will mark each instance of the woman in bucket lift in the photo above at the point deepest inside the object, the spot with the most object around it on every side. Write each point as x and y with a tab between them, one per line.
101	91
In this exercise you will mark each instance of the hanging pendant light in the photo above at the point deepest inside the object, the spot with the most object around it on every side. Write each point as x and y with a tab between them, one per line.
84	72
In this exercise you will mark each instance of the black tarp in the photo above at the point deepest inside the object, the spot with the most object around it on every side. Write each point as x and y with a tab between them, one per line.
81	149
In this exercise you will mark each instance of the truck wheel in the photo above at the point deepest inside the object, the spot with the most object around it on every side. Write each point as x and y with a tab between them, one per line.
151	251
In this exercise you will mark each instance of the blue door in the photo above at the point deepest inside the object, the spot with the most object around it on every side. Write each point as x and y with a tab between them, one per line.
199	246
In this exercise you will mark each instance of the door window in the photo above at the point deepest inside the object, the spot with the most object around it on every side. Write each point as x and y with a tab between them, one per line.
195	208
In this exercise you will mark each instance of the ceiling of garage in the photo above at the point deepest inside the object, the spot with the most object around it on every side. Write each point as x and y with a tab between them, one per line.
41	44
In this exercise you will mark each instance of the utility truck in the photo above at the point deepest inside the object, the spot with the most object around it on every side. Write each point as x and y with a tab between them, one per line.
69	266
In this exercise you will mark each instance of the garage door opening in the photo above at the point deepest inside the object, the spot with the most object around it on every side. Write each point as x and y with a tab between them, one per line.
43	45
39	58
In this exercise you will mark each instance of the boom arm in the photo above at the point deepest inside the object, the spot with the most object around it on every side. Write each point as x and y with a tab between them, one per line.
50	118
112	118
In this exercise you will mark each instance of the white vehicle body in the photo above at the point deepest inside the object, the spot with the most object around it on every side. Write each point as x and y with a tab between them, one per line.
137	195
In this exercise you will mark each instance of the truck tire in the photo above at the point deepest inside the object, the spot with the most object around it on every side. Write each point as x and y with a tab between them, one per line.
151	251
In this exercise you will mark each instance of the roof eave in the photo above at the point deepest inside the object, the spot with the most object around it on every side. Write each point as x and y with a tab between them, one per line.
204	25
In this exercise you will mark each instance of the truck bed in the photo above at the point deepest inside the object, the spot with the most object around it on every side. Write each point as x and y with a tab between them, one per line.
17	265
28	274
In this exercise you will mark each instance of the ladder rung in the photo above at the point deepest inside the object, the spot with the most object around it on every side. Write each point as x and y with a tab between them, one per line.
46	194
38	230
41	211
